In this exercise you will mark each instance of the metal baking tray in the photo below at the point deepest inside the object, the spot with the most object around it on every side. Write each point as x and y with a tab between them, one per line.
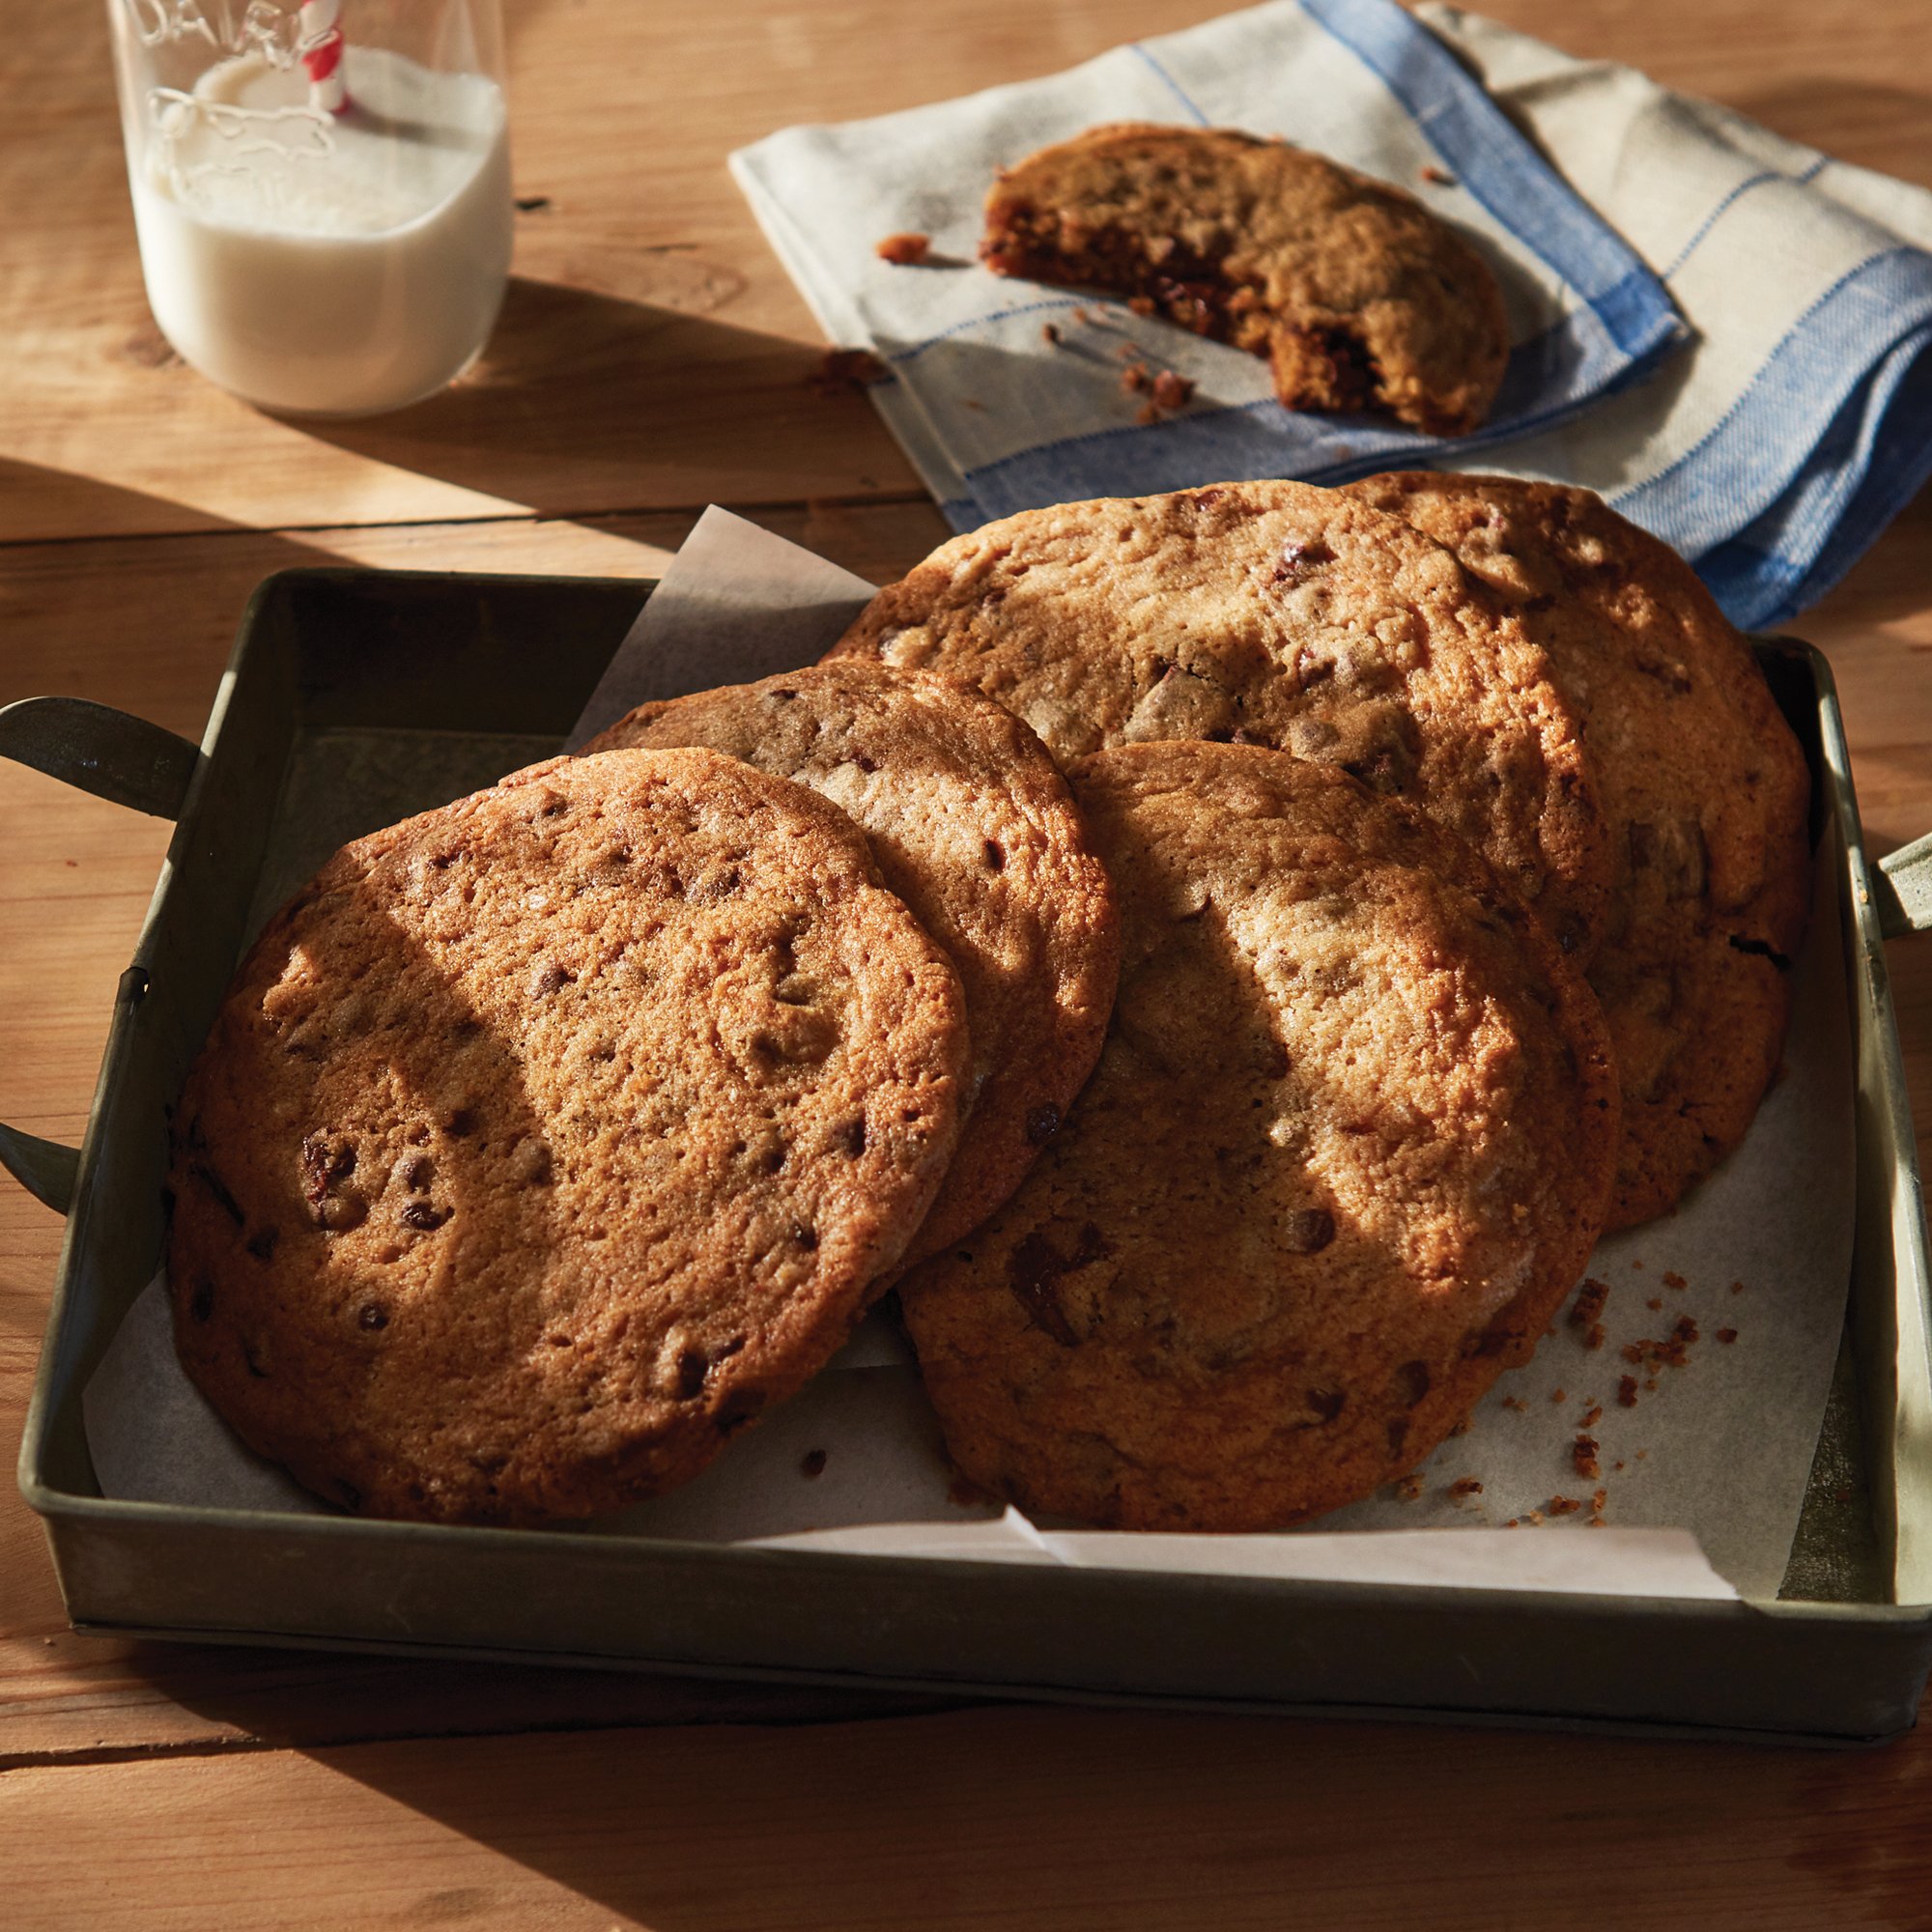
491	672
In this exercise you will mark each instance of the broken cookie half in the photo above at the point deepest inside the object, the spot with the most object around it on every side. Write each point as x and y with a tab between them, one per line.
1356	294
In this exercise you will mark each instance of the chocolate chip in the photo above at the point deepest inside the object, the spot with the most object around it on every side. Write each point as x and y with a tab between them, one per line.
418	1172
1412	1382
1328	1403
1307	1230
421	1214
692	1366
1042	1124
254	1362
202	1306
1298	557
548	977
805	1237
855	1137
215	1184
459	1123
1398	1435
996	856
372	1314
1034	1267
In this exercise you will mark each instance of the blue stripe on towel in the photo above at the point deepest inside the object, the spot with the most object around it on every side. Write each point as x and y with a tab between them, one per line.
1497	164
1775	429
1871	462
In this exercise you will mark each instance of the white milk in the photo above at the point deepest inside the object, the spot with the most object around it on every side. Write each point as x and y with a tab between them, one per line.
327	264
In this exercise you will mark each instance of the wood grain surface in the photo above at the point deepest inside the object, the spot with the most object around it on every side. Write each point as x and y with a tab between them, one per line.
653	357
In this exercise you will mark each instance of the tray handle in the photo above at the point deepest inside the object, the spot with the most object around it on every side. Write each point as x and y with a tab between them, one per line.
1902	889
127	761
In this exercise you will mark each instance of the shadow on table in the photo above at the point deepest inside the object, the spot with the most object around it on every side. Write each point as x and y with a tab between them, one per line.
584	401
71	624
1095	1818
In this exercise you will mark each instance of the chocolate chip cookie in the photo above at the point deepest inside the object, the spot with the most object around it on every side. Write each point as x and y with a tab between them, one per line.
1703	788
544	1140
1275	613
1357	295
972	828
1345	1151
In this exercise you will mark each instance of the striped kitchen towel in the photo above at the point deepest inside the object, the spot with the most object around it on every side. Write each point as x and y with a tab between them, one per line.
1717	328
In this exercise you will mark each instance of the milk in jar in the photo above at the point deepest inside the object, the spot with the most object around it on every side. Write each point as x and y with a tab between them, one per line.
326	264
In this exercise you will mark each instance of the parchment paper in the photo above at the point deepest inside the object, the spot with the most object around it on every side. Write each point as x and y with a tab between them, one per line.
1706	1458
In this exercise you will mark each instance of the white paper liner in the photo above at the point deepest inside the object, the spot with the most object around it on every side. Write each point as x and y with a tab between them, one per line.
1710	1464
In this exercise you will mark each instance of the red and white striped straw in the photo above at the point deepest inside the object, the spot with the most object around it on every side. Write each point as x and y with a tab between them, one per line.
322	56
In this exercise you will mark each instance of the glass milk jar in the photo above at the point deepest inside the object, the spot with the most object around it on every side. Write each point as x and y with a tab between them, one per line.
322	190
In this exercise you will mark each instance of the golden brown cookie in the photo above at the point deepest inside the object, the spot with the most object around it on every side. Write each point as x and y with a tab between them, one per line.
545	1139
1345	1151
1275	613
972	826
1356	294
1704	790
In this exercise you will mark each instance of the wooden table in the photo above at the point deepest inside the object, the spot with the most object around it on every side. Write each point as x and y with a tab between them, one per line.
652	358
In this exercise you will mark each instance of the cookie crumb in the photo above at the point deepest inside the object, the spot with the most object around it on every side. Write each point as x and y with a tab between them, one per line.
1563	1505
1466	1486
847	371
905	251
1595	1415
1512	1402
1588	1307
1727	1336
1409	1489
1655	1302
1172	390
1049	333
1736	1288
1558	1395
1441	177
1673	1279
1627	1391
1146	415
813	1463
1134	379
1583	1454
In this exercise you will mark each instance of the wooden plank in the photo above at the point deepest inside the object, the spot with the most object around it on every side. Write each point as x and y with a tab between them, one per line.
653	353
1015	1818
